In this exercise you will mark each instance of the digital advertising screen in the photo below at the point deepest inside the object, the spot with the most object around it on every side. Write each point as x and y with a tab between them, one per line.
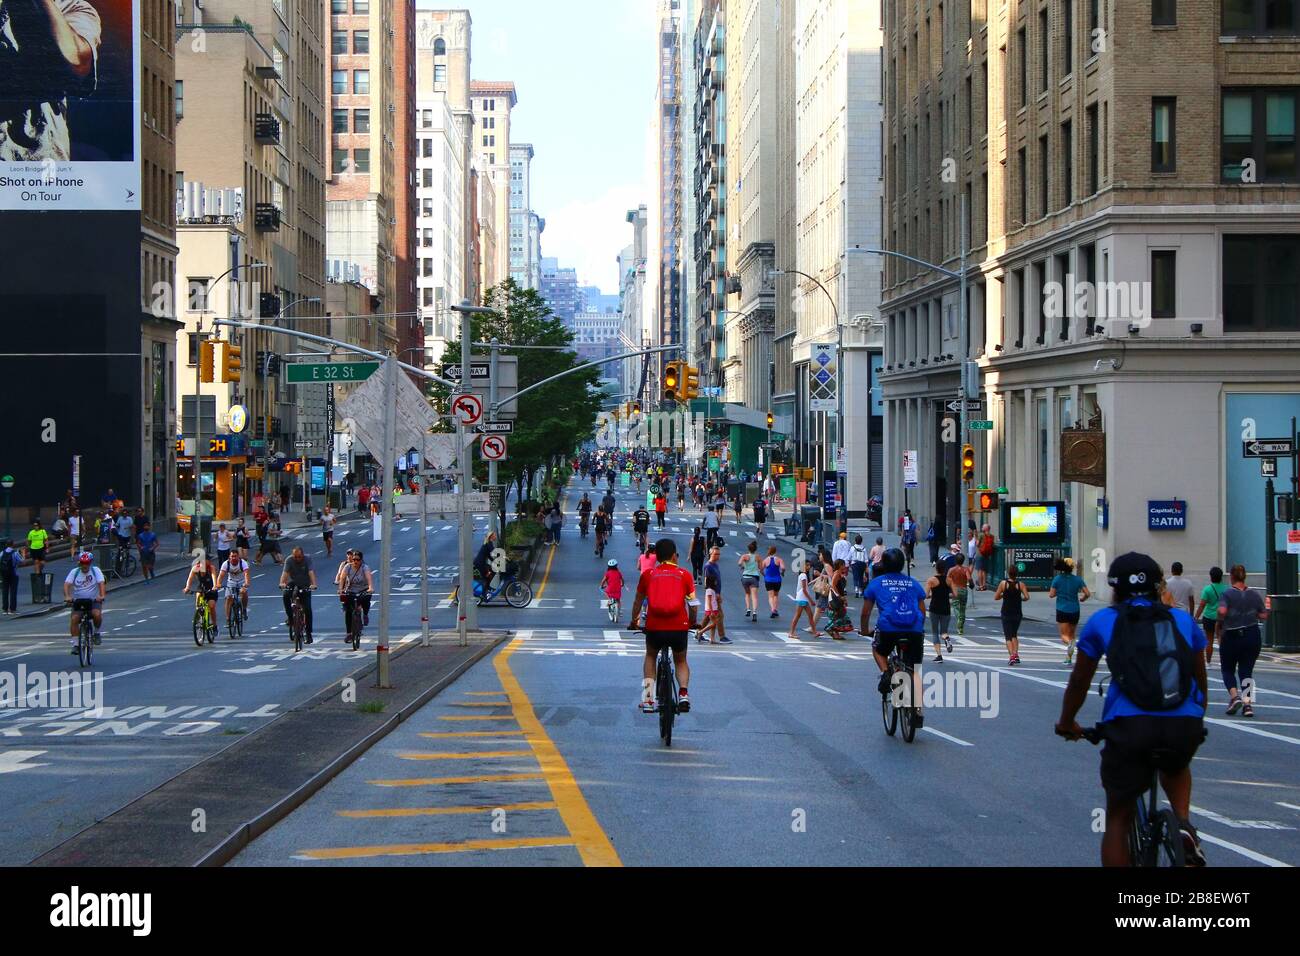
1029	522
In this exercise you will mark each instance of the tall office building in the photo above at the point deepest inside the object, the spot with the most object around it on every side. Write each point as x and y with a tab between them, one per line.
440	237
522	267
559	288
709	231
670	119
632	303
410	328
492	102
1136	244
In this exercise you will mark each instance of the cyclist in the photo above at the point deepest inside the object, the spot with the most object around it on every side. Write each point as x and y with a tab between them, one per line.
356	583
668	594
298	575
482	560
902	618
1141	739
602	531
641	525
608	504
84	589
584	513
611	584
203	577
681	493
327	521
234	578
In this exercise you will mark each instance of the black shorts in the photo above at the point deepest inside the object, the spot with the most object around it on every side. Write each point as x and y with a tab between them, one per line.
1067	617
1011	627
655	641
1137	746
327	535
38	554
913	652
773	586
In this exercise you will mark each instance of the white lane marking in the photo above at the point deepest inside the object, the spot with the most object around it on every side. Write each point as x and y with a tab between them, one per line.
1248	854
134	670
1044	642
1246	728
12	761
940	733
612	635
523	635
1011	672
1239	824
827	689
564	635
785	638
745	657
1289	806
965	641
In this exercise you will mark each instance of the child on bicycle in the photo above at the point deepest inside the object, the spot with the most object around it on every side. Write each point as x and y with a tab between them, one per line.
611	585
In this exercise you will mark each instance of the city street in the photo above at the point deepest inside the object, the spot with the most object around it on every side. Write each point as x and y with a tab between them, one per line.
539	755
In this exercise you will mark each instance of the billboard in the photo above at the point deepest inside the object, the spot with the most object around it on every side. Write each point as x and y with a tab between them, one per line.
70	105
1033	522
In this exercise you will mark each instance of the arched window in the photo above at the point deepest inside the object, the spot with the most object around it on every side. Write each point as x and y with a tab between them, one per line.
440	47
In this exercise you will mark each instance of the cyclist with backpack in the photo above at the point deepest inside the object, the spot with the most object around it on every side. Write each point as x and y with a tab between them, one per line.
901	600
1153	717
668	594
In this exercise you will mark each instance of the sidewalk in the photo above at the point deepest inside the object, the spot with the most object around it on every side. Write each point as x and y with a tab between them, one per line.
173	556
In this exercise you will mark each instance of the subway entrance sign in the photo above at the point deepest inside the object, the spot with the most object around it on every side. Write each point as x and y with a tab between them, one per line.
304	373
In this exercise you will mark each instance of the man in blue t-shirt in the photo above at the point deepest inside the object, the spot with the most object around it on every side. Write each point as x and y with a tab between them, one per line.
901	600
1139	741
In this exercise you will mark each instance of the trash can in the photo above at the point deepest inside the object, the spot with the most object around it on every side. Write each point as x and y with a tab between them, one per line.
105	555
810	518
42	587
791	526
1282	630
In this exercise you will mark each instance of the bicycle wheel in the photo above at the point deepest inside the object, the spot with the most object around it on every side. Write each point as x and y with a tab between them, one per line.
518	594
907	717
239	619
211	626
86	643
667	702
299	630
889	712
1167	840
354	628
200	631
129	564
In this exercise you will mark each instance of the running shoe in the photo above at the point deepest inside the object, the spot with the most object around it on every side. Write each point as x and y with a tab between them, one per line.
938	658
648	706
683	703
1192	852
1234	706
947	641
1247	711
725	640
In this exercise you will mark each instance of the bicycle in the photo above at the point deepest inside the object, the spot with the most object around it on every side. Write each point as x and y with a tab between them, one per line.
235	616
86	638
906	714
297	618
353	615
205	629
124	562
518	594
666	694
615	607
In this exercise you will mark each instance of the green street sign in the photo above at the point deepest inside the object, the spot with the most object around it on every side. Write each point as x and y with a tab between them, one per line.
787	489
715	464
304	373
625	479
980	425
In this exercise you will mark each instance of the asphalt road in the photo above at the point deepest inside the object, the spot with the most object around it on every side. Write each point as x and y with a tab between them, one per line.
164	704
539	756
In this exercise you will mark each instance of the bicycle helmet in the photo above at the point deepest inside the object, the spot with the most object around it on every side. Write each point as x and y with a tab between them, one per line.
1134	573
85	558
611	563
893	561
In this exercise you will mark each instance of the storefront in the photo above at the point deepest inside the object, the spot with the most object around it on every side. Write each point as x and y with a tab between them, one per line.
223	479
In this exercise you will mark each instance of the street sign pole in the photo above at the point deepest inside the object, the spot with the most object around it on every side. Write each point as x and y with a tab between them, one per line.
495	523
965	385
424	547
386	512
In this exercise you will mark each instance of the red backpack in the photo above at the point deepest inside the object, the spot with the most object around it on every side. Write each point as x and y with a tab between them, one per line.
986	546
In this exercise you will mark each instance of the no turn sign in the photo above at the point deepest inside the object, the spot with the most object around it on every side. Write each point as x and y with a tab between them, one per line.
468	408
493	447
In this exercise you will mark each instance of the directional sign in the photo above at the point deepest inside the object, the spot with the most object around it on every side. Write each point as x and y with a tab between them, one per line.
468	409
303	444
981	425
495	428
305	372
493	448
478	372
1268	468
1267	448
954	405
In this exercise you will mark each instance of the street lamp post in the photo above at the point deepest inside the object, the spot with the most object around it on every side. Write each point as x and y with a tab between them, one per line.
966	381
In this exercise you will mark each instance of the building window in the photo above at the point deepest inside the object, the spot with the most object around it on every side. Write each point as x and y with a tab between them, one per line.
440	73
361	82
1259	135
361	41
1067	162
426	207
1040	278
340	161
336	6
426	119
338	43
1162	134
361	157
1252	17
1044	170
1022	165
427	299
1261	283
340	121
340	82
1087	259
426	148
360	6
440	47
426	235
180	99
427	178
361	121
1094	148
1067	37
1164	283
1164	13
1044	46
1022	51
198	295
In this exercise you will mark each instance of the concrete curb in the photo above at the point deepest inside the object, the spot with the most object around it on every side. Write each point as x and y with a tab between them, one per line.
234	844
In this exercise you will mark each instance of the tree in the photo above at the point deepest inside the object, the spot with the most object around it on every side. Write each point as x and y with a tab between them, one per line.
551	421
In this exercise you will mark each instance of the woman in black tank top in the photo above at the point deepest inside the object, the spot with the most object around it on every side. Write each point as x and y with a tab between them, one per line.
939	594
1012	593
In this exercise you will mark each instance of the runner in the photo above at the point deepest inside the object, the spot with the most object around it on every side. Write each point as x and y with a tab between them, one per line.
1012	593
713	617
1069	589
327	520
1241	612
760	514
939	593
749	578
1208	610
773	573
958	578
803	601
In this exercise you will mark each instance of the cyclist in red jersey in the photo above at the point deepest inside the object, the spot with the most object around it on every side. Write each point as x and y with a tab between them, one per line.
668	593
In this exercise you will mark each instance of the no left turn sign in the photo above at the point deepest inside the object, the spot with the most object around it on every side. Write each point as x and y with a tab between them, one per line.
493	448
468	408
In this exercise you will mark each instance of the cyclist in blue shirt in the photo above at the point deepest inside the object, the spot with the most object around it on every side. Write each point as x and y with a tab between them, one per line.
1139	740
901	599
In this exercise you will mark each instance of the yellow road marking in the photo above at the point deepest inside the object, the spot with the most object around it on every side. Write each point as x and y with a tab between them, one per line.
484	717
439	781
414	849
545	576
592	842
444	811
482	755
485	693
474	733
480	703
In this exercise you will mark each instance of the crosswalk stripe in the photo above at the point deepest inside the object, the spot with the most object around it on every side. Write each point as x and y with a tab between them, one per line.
564	635
963	641
612	635
785	638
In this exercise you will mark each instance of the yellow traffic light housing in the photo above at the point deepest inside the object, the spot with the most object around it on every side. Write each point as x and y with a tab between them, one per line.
770	421
967	462
690	383
672	381
207	360
636	408
231	364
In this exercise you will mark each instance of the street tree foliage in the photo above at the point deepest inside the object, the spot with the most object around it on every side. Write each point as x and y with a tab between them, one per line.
551	421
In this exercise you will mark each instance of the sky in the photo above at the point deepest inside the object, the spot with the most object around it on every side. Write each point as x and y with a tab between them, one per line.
584	73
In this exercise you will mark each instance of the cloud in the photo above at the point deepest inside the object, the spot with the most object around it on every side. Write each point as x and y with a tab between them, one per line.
589	234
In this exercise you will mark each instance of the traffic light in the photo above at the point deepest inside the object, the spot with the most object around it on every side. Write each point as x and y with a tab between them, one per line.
780	468
636	408
770	421
690	383
967	462
988	501
207	360
672	381
230	363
